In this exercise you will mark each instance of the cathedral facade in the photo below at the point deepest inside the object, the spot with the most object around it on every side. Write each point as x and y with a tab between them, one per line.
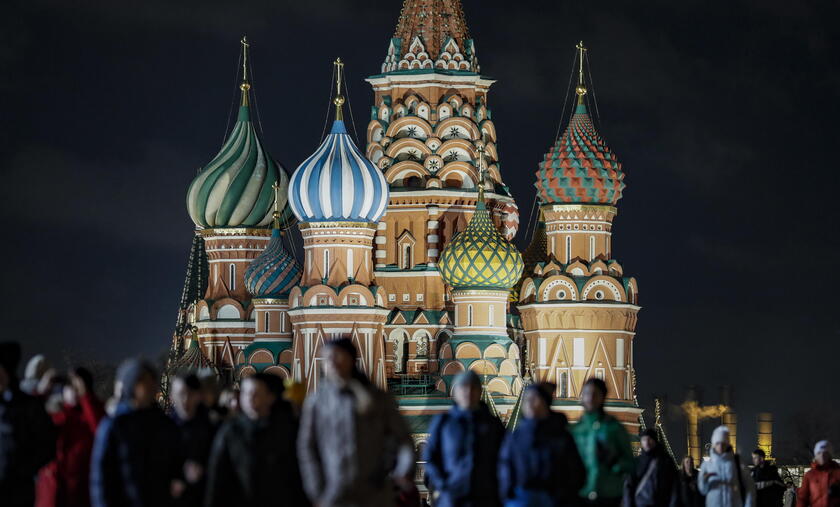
407	245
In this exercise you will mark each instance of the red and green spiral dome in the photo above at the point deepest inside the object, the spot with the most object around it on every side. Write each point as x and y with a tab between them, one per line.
580	168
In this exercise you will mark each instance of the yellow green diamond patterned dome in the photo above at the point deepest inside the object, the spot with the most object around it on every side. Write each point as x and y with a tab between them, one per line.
479	257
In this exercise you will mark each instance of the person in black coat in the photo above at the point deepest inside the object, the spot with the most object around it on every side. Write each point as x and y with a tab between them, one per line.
539	464
463	449
769	488
135	452
196	432
689	491
654	482
253	461
27	436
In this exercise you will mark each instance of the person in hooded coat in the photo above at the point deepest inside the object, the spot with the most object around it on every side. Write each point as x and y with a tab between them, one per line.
27	436
462	450
65	481
254	461
821	484
135	452
539	465
354	445
723	479
196	432
654	483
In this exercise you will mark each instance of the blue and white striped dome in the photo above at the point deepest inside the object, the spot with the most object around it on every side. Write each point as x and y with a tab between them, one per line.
338	183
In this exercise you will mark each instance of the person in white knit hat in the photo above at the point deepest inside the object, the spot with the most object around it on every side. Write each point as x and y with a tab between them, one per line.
821	484
723	478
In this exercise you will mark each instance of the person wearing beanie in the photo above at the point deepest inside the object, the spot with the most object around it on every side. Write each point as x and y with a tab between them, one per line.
353	445
462	450
821	484
135	452
27	442
654	482
604	446
723	479
539	465
769	488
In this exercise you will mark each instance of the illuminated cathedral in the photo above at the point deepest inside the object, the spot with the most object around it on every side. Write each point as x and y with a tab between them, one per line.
406	245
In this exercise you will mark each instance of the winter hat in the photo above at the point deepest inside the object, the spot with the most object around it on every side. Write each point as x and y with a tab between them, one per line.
823	445
543	390
468	377
36	367
129	372
721	434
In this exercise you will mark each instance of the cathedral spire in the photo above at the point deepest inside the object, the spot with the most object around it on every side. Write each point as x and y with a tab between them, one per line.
581	87
339	98
433	35
245	86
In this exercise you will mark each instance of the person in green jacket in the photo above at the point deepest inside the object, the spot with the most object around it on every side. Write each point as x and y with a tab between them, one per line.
604	446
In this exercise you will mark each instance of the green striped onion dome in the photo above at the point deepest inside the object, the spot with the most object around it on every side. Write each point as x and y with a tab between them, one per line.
235	188
579	168
479	257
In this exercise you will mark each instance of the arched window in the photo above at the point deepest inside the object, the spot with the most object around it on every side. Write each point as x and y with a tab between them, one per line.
406	256
563	384
568	249
469	315
232	281
591	248
266	322
326	270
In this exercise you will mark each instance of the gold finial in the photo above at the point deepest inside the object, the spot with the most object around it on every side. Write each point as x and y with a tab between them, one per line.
245	86
339	98
481	171
276	213
581	89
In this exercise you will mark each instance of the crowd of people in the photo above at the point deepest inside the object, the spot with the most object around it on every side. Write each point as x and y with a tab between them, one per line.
346	445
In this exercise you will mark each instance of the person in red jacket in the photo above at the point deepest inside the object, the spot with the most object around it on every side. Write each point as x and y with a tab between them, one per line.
821	484
64	481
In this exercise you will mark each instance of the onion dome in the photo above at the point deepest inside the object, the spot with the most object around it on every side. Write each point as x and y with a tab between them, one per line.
192	360
580	168
234	189
479	257
274	272
337	182
537	250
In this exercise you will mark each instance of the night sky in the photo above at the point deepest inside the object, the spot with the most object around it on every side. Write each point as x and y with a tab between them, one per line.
724	115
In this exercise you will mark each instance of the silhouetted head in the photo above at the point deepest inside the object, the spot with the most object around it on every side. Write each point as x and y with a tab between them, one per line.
648	439
593	394
185	395
257	397
536	400
466	390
